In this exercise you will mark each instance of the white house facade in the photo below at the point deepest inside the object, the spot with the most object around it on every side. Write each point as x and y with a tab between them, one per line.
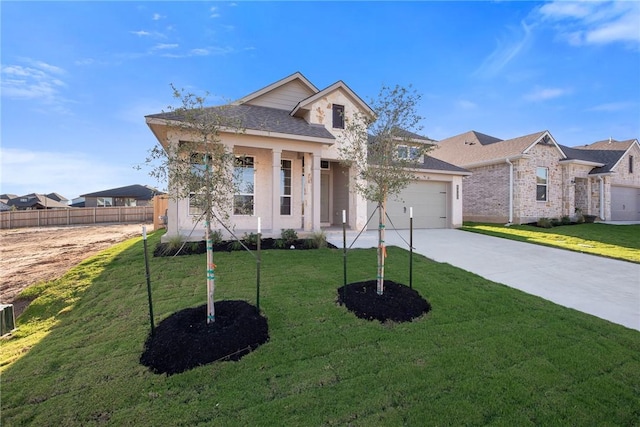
290	170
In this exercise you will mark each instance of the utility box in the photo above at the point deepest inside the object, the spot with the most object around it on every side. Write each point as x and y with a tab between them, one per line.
7	319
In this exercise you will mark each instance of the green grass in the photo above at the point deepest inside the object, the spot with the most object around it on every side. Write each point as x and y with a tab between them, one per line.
485	354
612	241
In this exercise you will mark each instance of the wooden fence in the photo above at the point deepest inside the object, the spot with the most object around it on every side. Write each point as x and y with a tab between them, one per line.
76	216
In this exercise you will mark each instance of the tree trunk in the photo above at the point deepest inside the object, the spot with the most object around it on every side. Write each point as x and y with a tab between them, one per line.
382	250
211	282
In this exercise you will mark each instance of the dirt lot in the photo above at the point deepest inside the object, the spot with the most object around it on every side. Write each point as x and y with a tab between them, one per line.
32	255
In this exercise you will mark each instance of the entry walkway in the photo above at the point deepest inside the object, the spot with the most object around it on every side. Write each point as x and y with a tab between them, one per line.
606	288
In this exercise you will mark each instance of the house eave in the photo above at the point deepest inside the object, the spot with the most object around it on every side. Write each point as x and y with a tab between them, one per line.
495	161
269	134
581	162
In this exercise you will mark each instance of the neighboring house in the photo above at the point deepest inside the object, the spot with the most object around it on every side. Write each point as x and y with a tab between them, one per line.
289	157
4	206
4	198
523	179
131	195
36	201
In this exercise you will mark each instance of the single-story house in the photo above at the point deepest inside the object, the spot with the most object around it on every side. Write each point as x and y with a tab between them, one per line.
290	160
522	179
131	195
37	201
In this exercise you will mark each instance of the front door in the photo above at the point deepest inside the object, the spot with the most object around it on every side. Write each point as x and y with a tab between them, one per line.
325	208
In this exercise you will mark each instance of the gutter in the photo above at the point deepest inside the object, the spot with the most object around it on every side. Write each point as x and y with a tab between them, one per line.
510	191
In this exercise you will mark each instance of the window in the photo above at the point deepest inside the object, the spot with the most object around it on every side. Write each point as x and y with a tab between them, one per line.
338	116
630	164
285	187
542	175
244	180
105	202
198	164
408	153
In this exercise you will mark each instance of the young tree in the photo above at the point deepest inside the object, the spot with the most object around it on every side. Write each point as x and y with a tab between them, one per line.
197	165
384	152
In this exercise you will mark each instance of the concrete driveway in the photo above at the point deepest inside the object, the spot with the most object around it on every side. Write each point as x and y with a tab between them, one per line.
603	287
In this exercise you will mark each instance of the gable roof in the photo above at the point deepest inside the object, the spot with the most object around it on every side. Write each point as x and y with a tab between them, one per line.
295	77
339	85
474	148
35	200
607	154
136	191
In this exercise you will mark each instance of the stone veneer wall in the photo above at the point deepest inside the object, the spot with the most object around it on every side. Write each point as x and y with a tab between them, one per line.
486	194
526	207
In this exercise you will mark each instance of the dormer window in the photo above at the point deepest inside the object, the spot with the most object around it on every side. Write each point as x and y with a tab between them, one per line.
338	116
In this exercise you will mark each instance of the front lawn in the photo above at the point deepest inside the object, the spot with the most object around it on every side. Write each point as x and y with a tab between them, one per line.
612	241
485	353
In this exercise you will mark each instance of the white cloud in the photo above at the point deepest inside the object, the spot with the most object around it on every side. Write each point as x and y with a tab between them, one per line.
26	171
157	17
214	12
38	81
506	50
543	94
466	104
612	106
163	46
594	23
141	33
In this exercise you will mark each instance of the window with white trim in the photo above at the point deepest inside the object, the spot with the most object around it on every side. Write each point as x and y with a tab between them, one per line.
285	187
105	202
542	181
244	180
405	152
196	203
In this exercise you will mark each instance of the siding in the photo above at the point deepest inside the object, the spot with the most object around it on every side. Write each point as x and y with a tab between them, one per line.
284	98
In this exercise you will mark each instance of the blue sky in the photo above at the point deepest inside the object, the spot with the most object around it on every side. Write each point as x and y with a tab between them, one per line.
78	77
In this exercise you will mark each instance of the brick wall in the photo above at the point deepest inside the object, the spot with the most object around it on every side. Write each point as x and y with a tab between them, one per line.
486	194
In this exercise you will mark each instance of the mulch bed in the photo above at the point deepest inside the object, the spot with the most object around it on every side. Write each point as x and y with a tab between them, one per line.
196	248
185	340
398	303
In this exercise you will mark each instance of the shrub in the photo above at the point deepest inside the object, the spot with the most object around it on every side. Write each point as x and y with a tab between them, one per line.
235	245
544	223
555	222
565	220
174	243
250	239
216	237
317	240
279	243
289	236
579	219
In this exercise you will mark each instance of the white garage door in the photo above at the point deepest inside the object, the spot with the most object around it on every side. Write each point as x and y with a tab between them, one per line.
429	202
625	203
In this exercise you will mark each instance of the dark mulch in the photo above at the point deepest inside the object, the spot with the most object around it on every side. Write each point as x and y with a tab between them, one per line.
185	340
195	248
398	303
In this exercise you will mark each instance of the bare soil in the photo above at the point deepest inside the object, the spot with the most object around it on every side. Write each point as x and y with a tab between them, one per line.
32	255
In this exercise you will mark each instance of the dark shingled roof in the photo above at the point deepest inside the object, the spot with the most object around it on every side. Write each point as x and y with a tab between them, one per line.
136	191
264	119
607	156
436	164
39	201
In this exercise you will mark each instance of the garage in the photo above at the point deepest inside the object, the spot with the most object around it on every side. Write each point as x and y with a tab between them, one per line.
625	203
429	202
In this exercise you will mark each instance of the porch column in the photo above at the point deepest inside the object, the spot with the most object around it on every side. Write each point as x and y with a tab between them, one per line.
275	191
308	193
315	205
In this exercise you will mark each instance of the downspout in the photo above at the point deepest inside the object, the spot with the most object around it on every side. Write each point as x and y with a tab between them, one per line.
510	192
601	198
